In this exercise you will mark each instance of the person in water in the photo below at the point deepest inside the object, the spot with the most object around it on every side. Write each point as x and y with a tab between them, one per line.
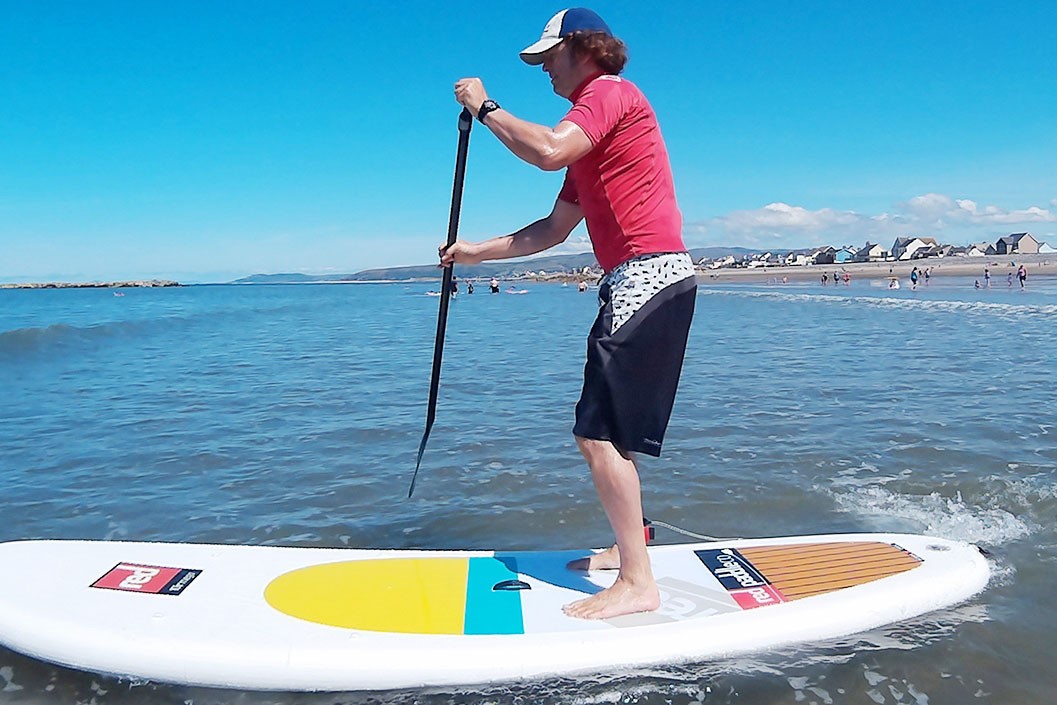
493	285
618	178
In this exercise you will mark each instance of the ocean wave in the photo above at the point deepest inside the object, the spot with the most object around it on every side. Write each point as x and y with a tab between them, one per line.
24	341
988	308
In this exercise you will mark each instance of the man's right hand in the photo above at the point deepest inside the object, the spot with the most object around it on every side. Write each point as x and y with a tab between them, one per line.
462	252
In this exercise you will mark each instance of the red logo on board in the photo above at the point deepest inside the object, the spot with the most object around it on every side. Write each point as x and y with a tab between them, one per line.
150	579
757	597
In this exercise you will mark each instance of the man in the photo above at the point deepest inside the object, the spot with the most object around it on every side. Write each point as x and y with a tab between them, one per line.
619	180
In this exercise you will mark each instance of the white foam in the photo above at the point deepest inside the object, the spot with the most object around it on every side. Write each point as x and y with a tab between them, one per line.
932	514
987	308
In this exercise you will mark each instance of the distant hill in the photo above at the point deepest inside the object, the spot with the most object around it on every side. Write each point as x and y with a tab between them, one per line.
503	269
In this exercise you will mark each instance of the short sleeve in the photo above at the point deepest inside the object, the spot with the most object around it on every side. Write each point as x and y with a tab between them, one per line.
599	108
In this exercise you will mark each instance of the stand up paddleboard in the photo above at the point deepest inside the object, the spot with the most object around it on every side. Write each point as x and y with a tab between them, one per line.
272	618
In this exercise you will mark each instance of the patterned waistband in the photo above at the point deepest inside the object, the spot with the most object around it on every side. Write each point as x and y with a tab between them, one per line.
670	266
636	281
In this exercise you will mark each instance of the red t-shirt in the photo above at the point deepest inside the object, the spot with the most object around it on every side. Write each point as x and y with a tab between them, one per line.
624	185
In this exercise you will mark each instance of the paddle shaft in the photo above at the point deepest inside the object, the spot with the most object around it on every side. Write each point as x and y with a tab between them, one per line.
465	123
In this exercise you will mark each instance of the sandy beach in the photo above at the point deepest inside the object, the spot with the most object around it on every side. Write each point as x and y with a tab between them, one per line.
970	268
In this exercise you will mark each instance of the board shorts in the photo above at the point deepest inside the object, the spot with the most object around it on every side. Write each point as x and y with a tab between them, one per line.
635	352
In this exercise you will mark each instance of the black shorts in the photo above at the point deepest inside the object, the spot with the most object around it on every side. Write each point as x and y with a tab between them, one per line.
631	375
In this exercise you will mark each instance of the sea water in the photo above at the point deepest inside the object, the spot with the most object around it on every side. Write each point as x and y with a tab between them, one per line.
291	415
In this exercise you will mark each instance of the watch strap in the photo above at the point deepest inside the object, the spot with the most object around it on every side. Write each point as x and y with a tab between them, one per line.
486	107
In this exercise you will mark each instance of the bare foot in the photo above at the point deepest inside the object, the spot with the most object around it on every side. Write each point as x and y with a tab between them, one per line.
608	559
621	598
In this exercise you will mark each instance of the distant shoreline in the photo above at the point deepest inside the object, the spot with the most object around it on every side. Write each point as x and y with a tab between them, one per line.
970	267
143	283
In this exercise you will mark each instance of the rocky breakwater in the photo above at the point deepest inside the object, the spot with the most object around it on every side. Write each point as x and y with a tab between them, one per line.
148	283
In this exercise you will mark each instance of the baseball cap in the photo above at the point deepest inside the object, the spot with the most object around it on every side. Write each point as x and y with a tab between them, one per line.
575	19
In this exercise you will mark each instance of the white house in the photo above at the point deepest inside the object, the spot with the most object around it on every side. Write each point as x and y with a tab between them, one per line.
904	247
870	253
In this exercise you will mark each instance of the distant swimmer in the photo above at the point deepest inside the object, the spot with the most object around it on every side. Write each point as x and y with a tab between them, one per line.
1022	275
914	278
493	286
847	278
469	287
893	282
582	286
1009	280
987	277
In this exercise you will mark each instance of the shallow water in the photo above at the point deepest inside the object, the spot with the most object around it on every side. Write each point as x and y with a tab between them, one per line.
292	414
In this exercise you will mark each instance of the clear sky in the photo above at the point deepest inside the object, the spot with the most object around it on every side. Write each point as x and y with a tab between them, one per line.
204	141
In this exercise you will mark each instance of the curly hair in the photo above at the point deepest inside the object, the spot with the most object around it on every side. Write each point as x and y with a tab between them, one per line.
607	51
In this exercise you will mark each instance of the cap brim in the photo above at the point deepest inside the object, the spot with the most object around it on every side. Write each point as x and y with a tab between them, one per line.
533	54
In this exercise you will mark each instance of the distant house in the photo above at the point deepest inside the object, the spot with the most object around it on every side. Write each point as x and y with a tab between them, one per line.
870	253
977	250
1045	249
904	247
823	255
844	254
928	251
1017	244
798	257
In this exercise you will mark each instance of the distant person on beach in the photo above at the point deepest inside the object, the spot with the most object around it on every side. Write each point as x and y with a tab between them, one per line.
825	278
493	285
1022	275
928	273
987	277
914	278
977	284
1009	280
847	278
618	178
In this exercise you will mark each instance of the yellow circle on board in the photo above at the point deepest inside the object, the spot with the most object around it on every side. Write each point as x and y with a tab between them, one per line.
407	595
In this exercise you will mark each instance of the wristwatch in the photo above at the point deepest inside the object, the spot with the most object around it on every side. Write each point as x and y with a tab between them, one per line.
486	107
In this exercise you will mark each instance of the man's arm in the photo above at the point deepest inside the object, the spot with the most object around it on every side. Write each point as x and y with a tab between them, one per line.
548	148
537	237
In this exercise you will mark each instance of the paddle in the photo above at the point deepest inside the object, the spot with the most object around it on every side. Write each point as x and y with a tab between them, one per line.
465	122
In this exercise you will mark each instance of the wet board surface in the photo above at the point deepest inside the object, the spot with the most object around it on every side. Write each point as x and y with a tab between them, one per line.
275	618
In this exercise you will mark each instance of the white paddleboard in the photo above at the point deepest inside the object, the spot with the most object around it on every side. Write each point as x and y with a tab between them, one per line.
274	618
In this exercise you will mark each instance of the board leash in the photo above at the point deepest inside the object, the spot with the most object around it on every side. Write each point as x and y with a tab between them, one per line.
648	523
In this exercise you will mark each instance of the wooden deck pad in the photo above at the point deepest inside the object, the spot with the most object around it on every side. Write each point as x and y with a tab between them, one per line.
803	570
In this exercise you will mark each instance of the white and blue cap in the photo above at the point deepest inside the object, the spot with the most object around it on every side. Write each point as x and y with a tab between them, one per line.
575	19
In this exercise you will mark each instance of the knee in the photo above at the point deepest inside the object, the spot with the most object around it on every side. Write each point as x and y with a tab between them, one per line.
596	451
589	447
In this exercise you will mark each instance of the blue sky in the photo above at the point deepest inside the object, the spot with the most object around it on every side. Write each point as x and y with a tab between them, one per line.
204	141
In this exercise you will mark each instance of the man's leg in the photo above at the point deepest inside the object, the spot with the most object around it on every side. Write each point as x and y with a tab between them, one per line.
616	479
